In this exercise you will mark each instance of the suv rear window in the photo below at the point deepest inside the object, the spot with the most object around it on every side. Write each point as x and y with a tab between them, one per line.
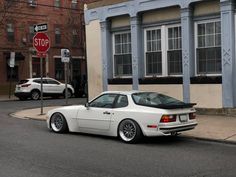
23	81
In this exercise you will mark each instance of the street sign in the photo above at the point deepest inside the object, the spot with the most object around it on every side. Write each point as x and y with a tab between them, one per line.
40	27
65	55
41	42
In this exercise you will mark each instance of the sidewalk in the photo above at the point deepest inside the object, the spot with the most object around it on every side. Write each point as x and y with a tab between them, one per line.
213	128
6	98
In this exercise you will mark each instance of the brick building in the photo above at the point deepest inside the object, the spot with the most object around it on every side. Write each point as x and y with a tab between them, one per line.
65	28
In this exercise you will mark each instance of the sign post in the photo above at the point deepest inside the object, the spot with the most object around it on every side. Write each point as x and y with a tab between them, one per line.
41	43
65	58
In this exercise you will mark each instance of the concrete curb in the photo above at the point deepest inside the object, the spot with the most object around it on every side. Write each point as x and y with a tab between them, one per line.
210	140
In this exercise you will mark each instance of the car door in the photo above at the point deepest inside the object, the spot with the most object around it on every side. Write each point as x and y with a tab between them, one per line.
98	114
37	85
54	86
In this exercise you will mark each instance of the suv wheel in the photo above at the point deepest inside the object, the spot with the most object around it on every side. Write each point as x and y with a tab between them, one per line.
69	93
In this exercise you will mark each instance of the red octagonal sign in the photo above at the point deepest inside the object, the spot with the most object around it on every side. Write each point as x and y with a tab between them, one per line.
41	42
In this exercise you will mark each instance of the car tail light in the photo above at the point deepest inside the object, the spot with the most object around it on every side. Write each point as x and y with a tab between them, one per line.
25	85
168	118
192	116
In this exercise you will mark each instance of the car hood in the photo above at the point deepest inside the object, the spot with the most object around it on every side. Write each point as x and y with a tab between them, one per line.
65	108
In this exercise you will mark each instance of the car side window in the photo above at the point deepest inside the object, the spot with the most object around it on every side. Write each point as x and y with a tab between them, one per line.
122	101
104	101
45	81
52	82
37	81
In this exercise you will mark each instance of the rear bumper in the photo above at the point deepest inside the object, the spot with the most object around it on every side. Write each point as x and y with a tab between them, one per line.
171	129
22	94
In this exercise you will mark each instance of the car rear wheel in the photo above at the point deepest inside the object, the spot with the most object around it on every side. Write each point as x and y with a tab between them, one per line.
129	131
58	123
35	95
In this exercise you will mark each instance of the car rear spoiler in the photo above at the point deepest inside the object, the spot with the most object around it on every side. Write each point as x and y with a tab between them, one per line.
171	106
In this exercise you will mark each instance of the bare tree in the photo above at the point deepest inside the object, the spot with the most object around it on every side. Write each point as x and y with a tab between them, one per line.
5	7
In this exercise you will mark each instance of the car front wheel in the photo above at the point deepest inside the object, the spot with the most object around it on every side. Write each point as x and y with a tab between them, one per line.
129	131
69	94
58	123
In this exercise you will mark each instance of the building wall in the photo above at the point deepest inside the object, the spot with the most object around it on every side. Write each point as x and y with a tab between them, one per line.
94	64
173	90
205	8
161	15
207	95
118	22
119	87
207	90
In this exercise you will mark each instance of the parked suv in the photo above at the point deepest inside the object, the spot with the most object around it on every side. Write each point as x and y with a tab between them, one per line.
31	88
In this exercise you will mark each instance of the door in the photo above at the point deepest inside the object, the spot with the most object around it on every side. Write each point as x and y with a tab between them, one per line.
54	86
98	114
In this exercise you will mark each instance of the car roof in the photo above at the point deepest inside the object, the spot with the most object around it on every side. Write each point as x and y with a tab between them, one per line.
122	92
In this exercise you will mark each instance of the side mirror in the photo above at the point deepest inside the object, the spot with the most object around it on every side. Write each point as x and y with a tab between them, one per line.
87	105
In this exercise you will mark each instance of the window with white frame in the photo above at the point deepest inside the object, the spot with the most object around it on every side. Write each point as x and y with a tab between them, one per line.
163	51
208	51
153	52
57	3
31	33
122	54
10	32
74	4
75	38
174	53
57	36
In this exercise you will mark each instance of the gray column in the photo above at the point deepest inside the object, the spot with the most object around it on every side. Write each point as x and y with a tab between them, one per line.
106	53
228	53
136	50
187	51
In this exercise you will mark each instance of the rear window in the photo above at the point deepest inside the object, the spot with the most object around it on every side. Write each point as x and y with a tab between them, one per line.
23	81
153	99
37	81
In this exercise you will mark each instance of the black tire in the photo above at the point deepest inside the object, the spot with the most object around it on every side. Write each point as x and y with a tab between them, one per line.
129	131
69	93
35	95
58	123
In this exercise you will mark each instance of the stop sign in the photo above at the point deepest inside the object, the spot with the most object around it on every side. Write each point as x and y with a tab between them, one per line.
41	42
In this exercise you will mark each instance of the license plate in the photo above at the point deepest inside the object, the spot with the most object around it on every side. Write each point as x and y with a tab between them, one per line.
183	118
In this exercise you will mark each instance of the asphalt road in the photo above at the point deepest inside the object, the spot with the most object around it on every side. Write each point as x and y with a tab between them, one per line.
29	149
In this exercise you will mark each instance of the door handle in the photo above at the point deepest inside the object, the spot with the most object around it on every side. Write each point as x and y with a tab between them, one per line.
106	112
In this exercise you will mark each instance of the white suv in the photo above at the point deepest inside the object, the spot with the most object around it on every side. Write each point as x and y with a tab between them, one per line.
31	88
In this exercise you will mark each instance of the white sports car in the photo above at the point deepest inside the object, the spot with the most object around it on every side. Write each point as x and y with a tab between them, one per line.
127	115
